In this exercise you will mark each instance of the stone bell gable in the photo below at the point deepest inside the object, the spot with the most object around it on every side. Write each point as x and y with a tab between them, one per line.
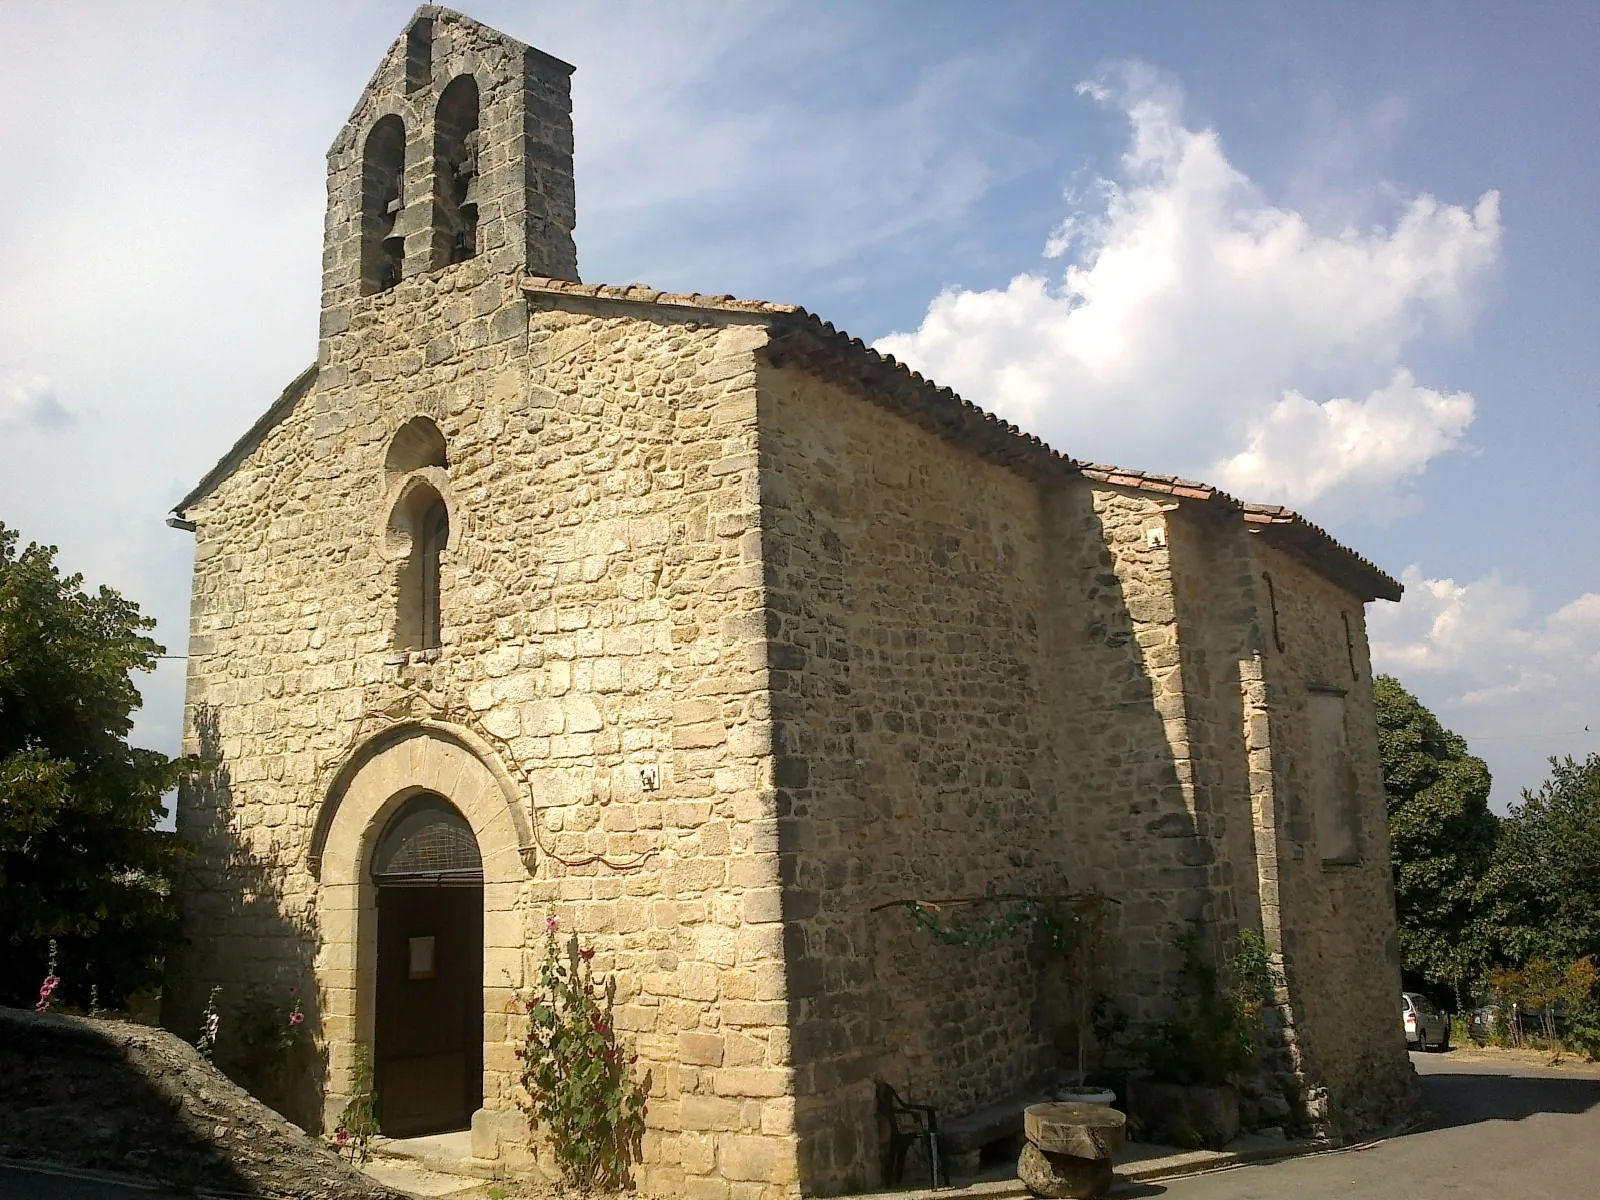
702	627
460	147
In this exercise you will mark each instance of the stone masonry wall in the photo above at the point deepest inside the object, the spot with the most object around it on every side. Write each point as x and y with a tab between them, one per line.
977	688
601	613
1124	733
1341	955
903	580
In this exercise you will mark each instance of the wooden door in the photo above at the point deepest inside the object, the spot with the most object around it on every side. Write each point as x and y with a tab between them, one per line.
428	1055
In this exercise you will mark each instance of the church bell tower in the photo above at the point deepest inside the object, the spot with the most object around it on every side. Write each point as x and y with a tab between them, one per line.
459	149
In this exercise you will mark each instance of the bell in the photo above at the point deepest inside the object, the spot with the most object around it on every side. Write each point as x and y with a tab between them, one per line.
471	197
399	229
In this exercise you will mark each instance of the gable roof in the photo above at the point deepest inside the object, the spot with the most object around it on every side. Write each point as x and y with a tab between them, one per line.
800	336
281	407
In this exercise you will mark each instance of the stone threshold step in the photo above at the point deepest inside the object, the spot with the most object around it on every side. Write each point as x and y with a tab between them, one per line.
444	1153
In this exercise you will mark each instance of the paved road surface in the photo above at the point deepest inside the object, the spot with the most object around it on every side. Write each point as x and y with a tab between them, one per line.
38	1185
1493	1131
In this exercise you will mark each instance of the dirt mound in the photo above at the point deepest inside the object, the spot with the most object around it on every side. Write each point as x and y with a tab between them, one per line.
119	1097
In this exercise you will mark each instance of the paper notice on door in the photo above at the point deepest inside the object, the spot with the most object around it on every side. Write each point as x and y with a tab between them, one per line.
421	958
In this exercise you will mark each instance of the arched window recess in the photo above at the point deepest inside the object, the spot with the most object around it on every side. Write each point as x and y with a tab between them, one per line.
416	444
420	522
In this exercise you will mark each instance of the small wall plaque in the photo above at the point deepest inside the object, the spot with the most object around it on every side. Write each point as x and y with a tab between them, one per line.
421	958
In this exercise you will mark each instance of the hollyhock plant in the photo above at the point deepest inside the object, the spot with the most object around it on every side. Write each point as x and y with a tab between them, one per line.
52	981
579	1090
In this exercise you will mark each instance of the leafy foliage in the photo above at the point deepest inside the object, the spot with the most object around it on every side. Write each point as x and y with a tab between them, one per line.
578	1084
1075	932
1442	841
358	1122
1215	1036
1546	874
270	1043
80	860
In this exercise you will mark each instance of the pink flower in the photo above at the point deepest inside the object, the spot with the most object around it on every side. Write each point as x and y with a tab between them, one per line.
551	924
342	1137
47	989
587	954
296	1017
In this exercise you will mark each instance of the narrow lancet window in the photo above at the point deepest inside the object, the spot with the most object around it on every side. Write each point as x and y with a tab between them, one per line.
423	518
455	173
435	533
382	233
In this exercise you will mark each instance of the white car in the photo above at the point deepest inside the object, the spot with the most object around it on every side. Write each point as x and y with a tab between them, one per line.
1426	1027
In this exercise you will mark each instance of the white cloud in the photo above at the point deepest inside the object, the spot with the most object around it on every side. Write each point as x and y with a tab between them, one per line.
28	401
1345	451
1194	316
1518	683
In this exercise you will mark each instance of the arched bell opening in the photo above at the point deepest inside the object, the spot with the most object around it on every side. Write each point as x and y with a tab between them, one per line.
383	243
427	1058
455	173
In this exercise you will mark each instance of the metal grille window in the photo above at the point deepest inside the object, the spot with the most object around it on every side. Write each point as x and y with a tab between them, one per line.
427	842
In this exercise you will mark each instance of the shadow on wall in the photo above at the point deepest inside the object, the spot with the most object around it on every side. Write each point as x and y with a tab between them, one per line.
960	713
247	942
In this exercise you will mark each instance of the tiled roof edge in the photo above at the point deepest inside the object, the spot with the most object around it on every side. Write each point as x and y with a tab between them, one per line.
287	399
1321	551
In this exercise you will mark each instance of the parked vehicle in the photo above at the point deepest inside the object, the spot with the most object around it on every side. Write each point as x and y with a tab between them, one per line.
1515	1022
1426	1027
1480	1025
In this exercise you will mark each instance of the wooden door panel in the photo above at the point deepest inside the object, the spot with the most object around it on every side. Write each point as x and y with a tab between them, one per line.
428	1057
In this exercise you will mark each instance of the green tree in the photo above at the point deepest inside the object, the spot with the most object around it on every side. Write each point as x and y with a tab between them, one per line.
1442	842
80	859
1546	875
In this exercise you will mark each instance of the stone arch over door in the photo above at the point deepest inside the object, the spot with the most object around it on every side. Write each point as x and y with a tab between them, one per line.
376	780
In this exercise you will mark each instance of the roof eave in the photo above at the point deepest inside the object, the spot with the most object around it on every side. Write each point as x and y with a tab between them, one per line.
230	461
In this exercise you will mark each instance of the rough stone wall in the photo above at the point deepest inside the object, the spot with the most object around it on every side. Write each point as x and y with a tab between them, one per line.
903	584
1125	736
978	688
1341	955
601	612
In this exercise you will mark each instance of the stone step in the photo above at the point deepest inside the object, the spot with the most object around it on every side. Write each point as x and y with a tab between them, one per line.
411	1177
444	1153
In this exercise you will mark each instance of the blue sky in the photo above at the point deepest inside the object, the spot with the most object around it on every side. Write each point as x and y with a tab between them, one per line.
1341	256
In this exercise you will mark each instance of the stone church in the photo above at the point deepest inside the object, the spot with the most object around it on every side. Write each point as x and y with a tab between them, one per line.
701	627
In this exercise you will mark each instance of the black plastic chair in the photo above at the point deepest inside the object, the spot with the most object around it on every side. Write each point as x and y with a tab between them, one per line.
908	1125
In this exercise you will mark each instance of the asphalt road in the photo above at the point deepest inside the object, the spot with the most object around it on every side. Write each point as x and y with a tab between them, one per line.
18	1184
1492	1130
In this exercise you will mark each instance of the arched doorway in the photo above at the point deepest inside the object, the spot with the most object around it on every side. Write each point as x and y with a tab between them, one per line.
427	874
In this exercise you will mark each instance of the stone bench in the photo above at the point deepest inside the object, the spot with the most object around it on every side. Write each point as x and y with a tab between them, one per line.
963	1140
